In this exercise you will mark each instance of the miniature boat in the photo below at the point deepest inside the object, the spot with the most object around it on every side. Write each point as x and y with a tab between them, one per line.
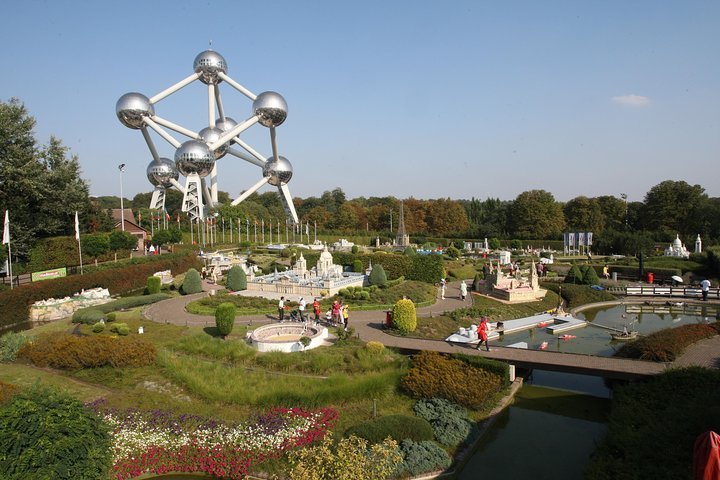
543	324
624	336
543	346
566	337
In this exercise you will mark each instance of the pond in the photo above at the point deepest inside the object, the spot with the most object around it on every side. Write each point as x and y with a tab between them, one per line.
548	433
594	339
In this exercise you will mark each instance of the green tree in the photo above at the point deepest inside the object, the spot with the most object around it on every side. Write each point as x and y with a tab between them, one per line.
167	237
452	252
225	318
377	275
574	275
613	212
536	215
584	214
153	285
409	251
236	279
494	243
95	245
675	207
119	240
358	266
46	434
590	276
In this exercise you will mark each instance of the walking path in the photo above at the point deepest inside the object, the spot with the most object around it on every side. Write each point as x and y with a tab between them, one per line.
369	326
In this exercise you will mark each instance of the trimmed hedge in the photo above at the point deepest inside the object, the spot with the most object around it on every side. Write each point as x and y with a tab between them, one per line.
450	423
404	316
118	278
153	285
192	283
422	457
88	316
377	276
225	318
576	295
69	352
399	427
236	279
436	375
666	345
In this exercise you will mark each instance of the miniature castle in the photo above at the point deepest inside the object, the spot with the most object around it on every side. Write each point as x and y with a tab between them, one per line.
514	289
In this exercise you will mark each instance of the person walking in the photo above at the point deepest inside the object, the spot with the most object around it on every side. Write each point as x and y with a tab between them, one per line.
335	313
463	290
346	315
316	309
281	309
705	288
483	334
301	310
442	289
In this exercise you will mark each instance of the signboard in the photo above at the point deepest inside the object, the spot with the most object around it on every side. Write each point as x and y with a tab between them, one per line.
48	274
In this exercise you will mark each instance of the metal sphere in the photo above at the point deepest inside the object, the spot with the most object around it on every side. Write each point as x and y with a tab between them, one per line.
160	174
211	135
194	156
280	172
225	125
271	107
132	107
208	64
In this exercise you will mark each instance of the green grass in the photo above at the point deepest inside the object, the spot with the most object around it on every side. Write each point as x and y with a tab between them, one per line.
25	376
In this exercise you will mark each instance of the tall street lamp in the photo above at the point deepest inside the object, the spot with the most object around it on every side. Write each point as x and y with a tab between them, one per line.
624	197
121	167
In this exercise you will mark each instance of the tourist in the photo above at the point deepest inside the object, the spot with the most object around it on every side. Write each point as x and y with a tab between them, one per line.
301	309
486	270
335	313
606	272
281	309
346	315
442	288
539	269
705	287
463	290
316	309
483	334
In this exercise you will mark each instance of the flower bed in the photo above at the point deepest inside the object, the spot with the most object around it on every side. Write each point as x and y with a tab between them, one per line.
160	442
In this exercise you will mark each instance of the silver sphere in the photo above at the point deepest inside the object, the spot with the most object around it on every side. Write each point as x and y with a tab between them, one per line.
160	174
271	107
225	125
211	135
131	108
194	156
280	172
208	64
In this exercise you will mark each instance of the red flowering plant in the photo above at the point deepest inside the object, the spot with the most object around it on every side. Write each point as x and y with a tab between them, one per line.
160	442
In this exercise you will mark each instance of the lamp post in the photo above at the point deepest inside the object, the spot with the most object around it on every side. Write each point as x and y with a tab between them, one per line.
121	167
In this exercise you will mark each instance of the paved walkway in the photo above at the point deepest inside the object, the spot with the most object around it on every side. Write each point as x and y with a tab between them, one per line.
369	326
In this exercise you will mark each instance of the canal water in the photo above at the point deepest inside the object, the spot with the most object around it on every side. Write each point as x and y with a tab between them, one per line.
595	339
549	432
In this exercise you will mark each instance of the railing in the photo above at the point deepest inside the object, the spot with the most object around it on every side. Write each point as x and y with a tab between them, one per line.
668	291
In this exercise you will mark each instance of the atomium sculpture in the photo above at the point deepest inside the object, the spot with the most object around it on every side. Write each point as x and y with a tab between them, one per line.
196	159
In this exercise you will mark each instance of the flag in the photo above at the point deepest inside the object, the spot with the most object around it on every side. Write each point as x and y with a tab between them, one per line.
178	219
77	227
139	216
307	228
167	215
6	229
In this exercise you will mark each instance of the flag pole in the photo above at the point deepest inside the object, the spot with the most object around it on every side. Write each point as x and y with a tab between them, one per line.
77	237
6	239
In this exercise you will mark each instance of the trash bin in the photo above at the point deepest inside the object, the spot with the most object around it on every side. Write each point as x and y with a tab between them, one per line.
614	276
650	277
388	318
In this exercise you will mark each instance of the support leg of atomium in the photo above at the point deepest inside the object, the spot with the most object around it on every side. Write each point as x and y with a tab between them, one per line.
192	200
157	202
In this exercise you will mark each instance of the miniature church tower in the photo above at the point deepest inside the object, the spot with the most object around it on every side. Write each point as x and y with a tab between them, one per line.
698	245
301	265
402	239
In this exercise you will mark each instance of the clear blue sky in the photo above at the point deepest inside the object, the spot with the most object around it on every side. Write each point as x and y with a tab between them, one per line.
406	98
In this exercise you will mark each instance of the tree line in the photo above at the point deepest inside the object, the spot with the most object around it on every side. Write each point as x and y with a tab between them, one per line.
42	186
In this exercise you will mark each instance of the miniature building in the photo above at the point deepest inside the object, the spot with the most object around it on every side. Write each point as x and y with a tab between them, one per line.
698	245
130	225
514	289
324	277
677	249
402	239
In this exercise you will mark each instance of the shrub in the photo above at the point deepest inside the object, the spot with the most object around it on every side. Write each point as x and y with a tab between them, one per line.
88	316
98	327
69	352
7	390
225	318
666	345
576	295
357	266
397	427
422	457
435	375
409	251
374	347
192	283
377	275
236	279
404	316
574	275
111	317
123	330
590	276
117	326
453	431
153	285
432	409
10	343
52	435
